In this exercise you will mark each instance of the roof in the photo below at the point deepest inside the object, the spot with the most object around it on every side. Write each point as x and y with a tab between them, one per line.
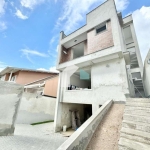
14	69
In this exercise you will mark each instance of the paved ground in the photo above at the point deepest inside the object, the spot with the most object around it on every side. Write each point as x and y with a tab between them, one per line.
27	137
107	134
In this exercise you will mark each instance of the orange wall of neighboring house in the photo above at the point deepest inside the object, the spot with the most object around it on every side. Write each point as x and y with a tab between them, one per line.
51	87
25	77
7	77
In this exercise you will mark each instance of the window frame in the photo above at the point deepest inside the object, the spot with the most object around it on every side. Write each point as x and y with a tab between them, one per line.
100	26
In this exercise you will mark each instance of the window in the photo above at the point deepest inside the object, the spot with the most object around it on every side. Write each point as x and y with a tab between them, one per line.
13	78
101	29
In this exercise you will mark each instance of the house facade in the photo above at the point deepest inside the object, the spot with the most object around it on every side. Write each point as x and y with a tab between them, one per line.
100	61
44	81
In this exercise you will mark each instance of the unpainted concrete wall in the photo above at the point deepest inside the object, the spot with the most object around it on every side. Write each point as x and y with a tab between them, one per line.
66	114
34	109
146	76
108	82
10	96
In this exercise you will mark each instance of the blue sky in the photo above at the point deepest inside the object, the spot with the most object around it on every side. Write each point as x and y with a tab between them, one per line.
29	29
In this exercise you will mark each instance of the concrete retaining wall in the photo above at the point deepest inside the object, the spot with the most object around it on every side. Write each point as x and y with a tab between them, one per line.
10	96
35	109
81	138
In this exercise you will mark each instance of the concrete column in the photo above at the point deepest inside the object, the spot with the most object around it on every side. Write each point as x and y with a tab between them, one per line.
95	107
10	76
58	108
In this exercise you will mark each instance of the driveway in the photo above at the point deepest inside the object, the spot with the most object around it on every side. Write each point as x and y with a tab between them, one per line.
28	137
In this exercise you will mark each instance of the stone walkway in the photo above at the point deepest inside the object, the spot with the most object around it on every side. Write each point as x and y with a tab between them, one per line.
107	134
27	137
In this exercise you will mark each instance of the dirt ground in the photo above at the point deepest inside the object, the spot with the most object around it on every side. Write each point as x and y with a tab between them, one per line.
107	134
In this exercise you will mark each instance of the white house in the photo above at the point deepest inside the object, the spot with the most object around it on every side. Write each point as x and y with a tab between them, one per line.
98	62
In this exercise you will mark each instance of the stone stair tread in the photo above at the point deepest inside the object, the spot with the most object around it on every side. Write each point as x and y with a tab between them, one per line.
137	123
136	118
123	142
143	100
138	104
140	113
138	133
128	107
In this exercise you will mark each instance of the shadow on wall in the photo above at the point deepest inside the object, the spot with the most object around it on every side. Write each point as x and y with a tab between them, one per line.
35	109
10	96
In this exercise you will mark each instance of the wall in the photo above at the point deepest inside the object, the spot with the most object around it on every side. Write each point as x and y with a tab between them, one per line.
66	114
25	77
81	138
51	86
34	109
108	82
75	80
10	96
99	41
65	57
146	76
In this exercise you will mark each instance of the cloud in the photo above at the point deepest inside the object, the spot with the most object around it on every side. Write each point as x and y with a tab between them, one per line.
42	69
2	26
121	4
33	52
2	65
74	12
53	69
28	53
2	5
20	15
141	18
31	4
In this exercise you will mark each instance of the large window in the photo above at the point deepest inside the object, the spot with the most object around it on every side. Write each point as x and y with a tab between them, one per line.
80	80
78	50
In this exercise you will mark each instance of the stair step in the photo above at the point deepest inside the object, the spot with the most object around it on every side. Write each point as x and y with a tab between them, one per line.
136	118
136	125
135	135
142	100
137	108
126	144
138	112
138	104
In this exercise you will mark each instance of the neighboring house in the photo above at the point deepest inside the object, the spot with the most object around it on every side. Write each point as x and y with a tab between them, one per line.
146	75
98	62
27	77
39	97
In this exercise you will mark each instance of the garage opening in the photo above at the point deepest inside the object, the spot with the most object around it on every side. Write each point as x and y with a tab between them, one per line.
74	115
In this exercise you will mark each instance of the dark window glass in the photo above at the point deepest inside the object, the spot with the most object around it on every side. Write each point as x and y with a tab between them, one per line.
101	29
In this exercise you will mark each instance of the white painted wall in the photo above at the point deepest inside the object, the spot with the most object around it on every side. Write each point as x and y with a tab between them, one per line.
10	96
34	109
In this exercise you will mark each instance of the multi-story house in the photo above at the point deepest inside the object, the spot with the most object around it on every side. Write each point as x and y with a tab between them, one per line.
98	62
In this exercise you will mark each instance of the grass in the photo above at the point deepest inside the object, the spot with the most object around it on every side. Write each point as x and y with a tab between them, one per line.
37	123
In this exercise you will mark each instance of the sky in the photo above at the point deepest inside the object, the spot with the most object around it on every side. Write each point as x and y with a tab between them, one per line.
29	29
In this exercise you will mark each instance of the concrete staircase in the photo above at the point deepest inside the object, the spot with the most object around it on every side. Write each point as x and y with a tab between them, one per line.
135	131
